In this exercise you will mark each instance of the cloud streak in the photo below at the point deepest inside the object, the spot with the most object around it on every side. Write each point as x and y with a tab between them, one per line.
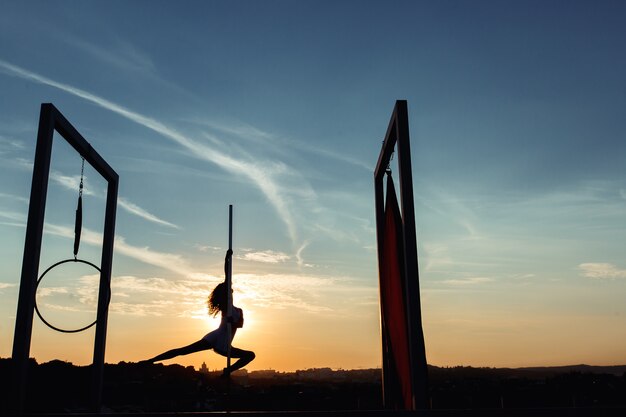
168	261
5	285
13	216
268	256
258	175
125	57
9	146
248	132
14	197
468	281
72	183
299	258
186	297
601	270
144	214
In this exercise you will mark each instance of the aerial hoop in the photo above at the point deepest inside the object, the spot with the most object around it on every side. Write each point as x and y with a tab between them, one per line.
78	225
53	327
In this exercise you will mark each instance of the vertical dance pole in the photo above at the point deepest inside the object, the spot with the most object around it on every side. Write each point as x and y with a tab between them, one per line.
229	283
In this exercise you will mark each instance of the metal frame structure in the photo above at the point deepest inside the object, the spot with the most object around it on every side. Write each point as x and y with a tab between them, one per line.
51	120
398	134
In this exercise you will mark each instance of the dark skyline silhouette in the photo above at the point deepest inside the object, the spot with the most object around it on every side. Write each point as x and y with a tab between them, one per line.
58	386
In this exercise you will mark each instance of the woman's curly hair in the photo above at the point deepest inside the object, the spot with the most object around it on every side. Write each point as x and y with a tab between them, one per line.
217	300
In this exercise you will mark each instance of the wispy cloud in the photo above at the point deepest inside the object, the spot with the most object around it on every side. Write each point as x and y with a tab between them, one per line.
168	261
23	163
152	296
299	257
307	293
12	215
455	208
14	197
260	175
144	214
437	256
183	288
241	130
156	296
50	291
467	281
251	133
13	224
186	296
5	285
281	292
206	248
120	54
336	155
73	182
9	146
268	256
601	270
335	233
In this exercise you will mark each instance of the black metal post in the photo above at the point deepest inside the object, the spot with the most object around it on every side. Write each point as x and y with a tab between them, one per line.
30	261
419	368
104	295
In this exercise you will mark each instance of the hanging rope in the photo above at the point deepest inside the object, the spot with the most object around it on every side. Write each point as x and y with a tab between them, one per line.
388	169
78	223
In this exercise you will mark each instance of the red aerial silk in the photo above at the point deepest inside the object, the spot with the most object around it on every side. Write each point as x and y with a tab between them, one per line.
393	301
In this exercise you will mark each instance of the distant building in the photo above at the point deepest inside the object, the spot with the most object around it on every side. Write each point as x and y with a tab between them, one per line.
204	369
265	374
315	374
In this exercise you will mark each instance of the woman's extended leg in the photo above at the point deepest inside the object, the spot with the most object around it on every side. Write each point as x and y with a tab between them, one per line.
244	357
194	347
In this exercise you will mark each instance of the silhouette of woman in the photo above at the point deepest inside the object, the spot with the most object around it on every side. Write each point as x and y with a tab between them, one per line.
218	338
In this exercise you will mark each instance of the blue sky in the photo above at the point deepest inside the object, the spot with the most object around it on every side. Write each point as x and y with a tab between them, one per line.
517	117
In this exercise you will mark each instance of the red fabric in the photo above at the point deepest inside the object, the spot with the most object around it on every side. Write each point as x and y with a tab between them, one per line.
392	289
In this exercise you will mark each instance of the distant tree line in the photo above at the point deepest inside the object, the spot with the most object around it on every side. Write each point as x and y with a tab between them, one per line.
61	387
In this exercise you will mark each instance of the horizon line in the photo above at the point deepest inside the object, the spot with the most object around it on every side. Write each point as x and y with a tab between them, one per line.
346	369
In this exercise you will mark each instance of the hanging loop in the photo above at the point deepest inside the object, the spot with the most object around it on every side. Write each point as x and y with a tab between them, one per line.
47	323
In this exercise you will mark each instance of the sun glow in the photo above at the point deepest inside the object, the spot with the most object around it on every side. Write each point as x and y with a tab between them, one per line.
211	322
